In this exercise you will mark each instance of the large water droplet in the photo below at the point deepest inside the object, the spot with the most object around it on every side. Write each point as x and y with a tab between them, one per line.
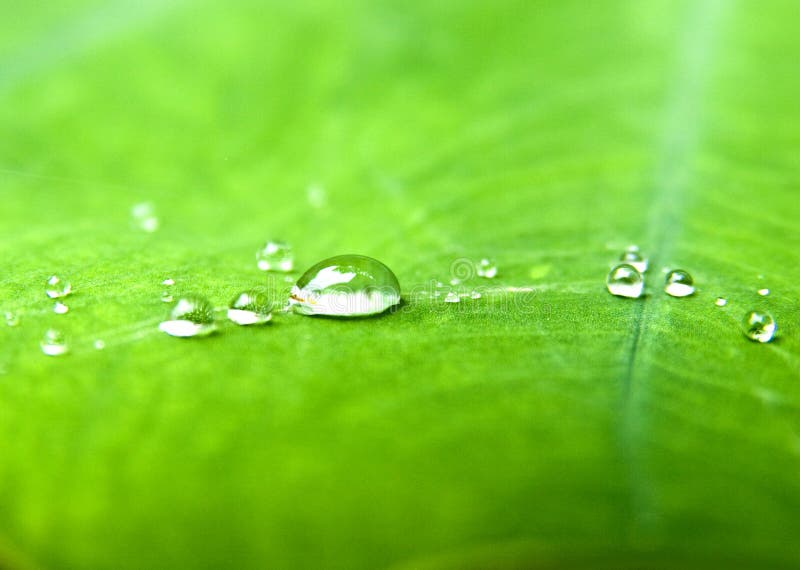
275	256
679	283
635	259
346	286
250	308
191	316
54	343
57	287
143	217
486	268
625	281
759	327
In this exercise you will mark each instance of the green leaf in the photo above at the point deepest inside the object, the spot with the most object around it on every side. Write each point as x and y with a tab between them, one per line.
546	425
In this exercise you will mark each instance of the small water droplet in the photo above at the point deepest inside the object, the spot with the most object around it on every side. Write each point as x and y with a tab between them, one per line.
99	344
60	308
679	283
625	281
166	296
452	297
721	302
455	281
143	217
346	286
250	308
486	268
317	197
635	259
759	327
54	343
12	319
168	282
191	316
56	287
763	292
275	256
475	295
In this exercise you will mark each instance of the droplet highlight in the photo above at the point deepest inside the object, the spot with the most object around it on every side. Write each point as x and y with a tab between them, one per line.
275	256
57	287
192	316
679	283
625	281
759	326
346	286
54	343
250	308
452	297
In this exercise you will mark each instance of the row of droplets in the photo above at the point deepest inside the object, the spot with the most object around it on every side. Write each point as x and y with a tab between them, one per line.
626	279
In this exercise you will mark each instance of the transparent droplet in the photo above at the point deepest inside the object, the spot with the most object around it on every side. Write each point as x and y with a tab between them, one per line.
759	327
60	308
635	259
679	283
54	343
486	268
625	281
166	296
275	256
12	318
191	316
168	282
250	308
475	295
763	292
143	217
346	286
57	287
452	297
721	302
455	281
99	344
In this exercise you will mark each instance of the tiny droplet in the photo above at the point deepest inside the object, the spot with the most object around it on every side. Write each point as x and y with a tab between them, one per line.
679	283
486	268
635	259
275	256
759	327
57	288
721	302
625	281
53	343
60	308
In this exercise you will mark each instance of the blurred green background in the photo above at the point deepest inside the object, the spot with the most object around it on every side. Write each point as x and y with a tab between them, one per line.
545	425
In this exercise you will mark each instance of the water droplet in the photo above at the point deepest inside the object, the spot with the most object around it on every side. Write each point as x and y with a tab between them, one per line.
166	296
57	288
763	292
452	297
679	283
475	295
759	327
275	256
191	316
99	344
486	268
346	286
12	319
317	197
625	281
168	282
250	308
721	302
54	343
455	281
60	308
143	217
635	259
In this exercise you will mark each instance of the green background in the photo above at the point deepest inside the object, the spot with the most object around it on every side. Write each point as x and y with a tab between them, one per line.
550	425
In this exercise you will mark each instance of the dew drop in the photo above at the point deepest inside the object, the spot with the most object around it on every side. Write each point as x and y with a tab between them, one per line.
54	343
679	283
475	295
60	308
759	327
168	282
721	302
452	297
56	287
346	286
191	316
250	308
486	268
275	256
625	281
166	296
763	292
99	344
12	319
143	217
635	259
